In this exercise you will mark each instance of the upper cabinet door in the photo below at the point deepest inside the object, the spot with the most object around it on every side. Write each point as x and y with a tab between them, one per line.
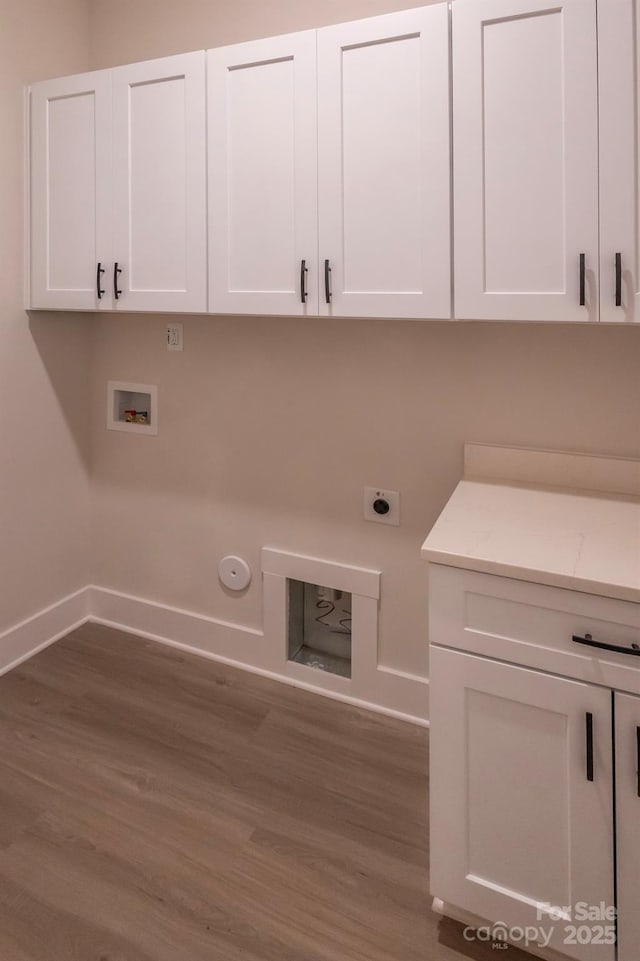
383	166
263	226
159	184
619	70
525	159
70	191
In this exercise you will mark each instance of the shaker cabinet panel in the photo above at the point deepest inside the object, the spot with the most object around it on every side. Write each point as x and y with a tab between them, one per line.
627	750
159	184
70	191
383	166
263	221
619	92
525	140
521	794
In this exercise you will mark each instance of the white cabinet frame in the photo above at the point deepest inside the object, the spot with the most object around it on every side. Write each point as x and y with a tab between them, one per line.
619	116
114	183
263	213
70	192
519	816
402	230
514	259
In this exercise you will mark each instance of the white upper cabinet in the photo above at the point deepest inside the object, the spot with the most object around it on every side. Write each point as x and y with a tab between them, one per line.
159	184
354	150
525	141
263	212
70	188
619	70
311	173
384	166
118	182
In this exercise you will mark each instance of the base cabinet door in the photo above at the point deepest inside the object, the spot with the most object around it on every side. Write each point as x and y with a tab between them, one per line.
159	185
70	191
263	206
522	799
383	166
627	747
525	147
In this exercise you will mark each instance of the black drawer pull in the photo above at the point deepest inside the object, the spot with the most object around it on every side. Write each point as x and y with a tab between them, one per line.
303	281
589	731
99	273
618	280
582	279
589	641
116	290
327	281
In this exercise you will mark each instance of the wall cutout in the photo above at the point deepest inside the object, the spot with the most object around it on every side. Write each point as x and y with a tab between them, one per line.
132	407
320	627
321	622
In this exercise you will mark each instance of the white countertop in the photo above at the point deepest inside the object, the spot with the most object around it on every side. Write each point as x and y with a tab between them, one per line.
577	539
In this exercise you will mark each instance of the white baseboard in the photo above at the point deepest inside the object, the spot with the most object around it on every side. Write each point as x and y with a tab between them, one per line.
399	695
403	696
25	639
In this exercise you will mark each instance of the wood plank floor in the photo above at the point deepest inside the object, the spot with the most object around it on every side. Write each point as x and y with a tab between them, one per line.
155	806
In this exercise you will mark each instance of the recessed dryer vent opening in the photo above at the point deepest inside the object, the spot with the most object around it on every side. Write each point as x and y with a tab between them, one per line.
319	629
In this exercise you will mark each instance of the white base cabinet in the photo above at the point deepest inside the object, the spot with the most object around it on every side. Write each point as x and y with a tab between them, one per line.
534	776
627	753
516	821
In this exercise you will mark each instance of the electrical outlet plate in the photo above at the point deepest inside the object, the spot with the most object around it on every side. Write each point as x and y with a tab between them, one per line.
174	337
371	495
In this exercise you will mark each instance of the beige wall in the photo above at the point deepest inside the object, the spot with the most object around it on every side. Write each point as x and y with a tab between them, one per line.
270	428
43	360
123	31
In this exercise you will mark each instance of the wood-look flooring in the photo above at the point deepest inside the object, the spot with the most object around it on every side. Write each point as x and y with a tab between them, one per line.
155	806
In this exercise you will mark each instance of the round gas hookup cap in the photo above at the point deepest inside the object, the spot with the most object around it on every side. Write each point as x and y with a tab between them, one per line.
234	572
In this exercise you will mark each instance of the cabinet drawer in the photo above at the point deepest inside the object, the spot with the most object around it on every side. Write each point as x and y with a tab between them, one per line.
533	625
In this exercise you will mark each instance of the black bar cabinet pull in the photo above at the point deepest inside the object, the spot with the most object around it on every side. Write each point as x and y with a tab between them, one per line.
589	720
99	273
634	650
303	281
582	279
618	280
638	758
327	281
116	290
